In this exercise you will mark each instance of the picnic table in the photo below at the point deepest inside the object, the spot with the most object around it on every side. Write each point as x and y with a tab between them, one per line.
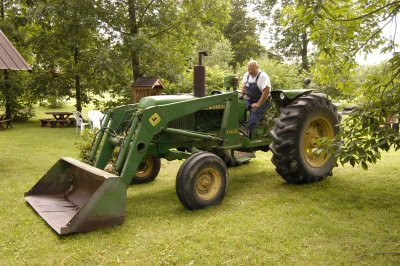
59	117
4	120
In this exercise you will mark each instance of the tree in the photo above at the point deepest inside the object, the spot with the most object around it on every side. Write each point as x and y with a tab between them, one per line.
68	47
241	31
283	76
290	39
217	66
13	93
159	36
339	31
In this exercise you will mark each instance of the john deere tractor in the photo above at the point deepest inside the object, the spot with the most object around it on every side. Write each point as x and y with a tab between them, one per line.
204	131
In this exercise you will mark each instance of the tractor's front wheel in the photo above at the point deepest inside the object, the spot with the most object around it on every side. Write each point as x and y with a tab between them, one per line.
148	170
300	123
202	180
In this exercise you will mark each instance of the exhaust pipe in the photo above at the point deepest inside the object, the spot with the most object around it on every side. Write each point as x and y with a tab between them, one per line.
199	77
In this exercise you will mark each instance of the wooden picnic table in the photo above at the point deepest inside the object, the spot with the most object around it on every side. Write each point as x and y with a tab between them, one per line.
60	117
4	120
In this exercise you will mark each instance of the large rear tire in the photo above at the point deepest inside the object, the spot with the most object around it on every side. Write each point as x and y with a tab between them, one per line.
202	181
299	124
148	170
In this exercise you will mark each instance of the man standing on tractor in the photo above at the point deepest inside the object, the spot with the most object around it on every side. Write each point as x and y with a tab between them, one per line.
256	88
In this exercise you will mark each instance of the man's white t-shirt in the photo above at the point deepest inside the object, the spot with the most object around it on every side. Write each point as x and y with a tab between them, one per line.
262	83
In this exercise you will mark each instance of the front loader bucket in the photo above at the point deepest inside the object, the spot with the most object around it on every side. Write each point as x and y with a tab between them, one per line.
75	197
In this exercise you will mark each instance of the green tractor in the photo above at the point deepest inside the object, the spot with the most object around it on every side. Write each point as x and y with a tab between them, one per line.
204	131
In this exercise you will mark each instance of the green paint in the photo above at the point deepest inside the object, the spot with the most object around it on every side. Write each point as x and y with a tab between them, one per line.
291	94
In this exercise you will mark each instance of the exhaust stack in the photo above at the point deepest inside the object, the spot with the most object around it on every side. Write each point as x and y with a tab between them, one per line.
199	77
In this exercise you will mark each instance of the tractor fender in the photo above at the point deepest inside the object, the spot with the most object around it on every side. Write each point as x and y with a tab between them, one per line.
282	98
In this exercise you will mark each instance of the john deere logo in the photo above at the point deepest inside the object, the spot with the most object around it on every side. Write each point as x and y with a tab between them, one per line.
155	119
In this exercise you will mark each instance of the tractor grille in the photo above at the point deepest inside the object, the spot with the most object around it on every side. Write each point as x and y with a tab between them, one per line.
186	123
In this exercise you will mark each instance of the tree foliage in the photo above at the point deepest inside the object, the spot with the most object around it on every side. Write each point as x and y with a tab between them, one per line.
161	38
283	76
241	31
340	30
79	48
290	40
158	36
67	45
89	47
14	97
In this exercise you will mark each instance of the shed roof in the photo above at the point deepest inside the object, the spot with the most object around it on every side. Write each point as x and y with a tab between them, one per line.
9	56
147	82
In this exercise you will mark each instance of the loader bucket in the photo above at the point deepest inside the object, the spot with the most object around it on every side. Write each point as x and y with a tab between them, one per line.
75	197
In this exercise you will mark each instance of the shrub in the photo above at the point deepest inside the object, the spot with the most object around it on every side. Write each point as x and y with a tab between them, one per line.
283	76
84	144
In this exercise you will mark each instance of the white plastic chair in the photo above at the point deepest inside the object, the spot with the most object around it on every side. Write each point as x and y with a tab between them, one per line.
79	121
95	118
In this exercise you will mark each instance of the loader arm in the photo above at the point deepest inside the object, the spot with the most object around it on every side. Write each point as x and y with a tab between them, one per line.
114	123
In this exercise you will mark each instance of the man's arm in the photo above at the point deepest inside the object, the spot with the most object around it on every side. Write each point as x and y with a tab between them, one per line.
243	91
263	98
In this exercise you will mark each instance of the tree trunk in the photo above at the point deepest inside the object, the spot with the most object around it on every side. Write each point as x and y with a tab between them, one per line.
304	58
133	27
7	91
2	10
77	83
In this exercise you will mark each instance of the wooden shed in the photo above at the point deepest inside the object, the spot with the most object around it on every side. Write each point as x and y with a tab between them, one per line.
143	87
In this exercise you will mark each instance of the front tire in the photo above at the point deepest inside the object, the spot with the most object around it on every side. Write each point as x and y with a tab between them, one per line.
148	170
307	118
202	181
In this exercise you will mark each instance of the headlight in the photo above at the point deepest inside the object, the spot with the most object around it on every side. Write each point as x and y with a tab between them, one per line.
282	96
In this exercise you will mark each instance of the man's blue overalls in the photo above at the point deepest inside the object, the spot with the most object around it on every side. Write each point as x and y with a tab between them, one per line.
253	94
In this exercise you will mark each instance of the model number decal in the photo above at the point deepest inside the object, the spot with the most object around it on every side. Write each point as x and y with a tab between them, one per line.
215	107
232	131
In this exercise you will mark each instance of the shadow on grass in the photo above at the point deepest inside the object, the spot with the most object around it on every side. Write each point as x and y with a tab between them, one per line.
159	197
157	201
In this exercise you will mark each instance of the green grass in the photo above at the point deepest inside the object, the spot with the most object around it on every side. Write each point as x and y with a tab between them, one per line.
262	220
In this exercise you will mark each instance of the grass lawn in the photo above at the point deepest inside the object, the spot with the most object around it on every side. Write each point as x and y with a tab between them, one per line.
262	220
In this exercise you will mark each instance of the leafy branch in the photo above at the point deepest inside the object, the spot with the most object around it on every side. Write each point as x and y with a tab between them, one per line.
370	13
140	20
364	135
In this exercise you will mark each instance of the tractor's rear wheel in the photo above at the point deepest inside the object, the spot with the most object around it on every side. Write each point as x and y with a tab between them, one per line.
202	180
148	170
307	118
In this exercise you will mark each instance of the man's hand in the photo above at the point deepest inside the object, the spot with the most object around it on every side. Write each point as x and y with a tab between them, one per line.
255	105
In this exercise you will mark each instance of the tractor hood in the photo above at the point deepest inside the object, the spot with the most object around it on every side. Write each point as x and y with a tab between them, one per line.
149	101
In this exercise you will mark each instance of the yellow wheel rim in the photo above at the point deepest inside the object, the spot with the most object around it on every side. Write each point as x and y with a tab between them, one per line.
318	127
208	183
146	168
